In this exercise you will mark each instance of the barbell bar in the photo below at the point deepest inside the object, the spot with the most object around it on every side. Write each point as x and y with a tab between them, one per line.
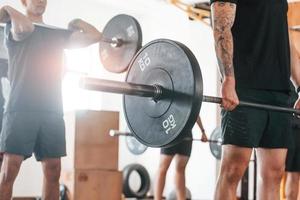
116	133
121	39
157	92
113	41
163	93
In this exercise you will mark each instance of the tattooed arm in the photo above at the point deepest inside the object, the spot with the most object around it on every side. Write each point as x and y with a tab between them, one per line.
223	14
295	65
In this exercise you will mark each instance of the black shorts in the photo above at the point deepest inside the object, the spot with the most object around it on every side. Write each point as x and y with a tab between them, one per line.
250	127
24	133
183	148
293	155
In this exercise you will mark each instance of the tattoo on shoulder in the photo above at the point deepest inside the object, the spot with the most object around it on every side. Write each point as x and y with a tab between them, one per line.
224	15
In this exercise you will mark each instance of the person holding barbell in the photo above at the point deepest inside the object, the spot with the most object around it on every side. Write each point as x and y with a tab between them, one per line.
252	47
293	159
181	152
33	120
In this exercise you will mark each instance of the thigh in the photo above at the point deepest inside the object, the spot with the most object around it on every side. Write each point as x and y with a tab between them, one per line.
19	133
51	142
244	126
11	165
165	161
278	133
292	178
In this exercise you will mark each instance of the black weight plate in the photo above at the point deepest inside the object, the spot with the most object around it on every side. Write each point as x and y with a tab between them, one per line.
126	28
173	66
216	148
134	146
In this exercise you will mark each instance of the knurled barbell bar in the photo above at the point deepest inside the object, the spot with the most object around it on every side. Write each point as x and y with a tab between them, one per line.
116	133
163	93
121	39
137	148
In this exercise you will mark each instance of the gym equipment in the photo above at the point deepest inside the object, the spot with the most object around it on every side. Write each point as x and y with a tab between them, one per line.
145	181
63	192
172	194
121	39
216	148
126	34
115	133
133	145
137	148
163	93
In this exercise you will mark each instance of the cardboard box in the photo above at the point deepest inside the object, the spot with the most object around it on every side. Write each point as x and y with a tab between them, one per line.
89	145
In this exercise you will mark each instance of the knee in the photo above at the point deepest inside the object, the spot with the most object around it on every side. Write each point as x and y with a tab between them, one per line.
273	174
9	173
180	168
232	174
52	172
291	194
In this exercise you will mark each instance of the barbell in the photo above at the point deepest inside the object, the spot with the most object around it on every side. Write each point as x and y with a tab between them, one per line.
163	93
120	41
116	133
137	148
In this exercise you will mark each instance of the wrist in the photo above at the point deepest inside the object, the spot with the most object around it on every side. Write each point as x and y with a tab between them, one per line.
298	90
229	79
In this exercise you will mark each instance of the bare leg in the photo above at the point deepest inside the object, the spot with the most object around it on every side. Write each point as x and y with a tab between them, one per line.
51	169
181	162
271	164
292	185
165	161
234	163
9	171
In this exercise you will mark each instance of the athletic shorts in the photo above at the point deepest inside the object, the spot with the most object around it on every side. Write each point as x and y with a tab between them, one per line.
251	127
183	148
293	155
41	133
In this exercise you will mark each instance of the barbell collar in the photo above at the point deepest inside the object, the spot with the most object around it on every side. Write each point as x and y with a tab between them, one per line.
153	91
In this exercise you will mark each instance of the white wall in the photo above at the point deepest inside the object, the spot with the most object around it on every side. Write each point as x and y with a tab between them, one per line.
158	20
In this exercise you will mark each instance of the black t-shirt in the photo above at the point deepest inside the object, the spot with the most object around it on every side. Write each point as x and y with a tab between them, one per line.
35	71
261	44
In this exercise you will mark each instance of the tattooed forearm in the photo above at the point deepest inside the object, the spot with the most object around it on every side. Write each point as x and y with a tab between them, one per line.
223	19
